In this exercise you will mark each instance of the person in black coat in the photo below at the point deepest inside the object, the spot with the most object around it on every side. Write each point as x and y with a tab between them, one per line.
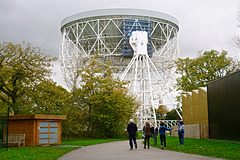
132	129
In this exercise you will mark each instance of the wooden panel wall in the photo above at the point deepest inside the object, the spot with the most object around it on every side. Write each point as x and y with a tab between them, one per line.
20	127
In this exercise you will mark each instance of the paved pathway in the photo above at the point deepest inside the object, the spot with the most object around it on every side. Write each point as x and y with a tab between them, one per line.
120	151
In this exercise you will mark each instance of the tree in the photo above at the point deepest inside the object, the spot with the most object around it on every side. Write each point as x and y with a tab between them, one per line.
208	67
161	112
47	98
171	115
3	108
103	102
22	68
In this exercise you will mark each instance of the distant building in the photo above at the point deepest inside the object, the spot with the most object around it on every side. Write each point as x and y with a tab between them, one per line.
224	107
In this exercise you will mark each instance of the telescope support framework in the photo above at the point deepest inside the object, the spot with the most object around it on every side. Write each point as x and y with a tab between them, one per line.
151	76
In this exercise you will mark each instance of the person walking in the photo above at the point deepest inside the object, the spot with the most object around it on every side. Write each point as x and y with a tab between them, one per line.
162	130
152	131
180	130
132	129
155	135
148	134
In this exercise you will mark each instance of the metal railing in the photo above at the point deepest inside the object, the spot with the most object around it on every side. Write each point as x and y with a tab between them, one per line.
168	123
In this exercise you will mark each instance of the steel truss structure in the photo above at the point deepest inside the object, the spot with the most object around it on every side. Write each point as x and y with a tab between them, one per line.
102	31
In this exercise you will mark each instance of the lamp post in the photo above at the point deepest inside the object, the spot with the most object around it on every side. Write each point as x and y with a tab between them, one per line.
7	122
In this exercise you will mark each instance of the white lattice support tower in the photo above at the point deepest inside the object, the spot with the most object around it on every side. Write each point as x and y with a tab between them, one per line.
139	74
103	31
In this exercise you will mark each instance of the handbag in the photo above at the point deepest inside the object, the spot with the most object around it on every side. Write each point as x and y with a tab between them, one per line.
143	135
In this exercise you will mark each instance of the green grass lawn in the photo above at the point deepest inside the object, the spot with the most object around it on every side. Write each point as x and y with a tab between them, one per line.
34	153
211	148
48	153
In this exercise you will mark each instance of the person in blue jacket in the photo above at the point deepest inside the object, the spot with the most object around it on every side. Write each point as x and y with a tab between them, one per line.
162	130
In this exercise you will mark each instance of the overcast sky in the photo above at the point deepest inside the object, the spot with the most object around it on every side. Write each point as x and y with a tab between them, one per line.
204	24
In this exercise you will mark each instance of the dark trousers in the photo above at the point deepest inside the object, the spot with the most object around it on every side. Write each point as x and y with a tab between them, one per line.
163	139
181	136
146	140
132	137
155	138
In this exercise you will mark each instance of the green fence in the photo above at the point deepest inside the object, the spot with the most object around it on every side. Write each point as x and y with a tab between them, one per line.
4	120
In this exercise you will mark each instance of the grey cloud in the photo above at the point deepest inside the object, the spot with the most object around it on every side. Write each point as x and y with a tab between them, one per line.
203	24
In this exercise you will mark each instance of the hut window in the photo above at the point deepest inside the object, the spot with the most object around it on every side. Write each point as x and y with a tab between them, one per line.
48	132
53	140
43	141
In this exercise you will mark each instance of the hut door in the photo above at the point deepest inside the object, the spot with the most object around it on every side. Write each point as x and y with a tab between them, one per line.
48	132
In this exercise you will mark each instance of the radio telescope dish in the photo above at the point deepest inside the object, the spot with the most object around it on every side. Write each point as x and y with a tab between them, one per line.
108	31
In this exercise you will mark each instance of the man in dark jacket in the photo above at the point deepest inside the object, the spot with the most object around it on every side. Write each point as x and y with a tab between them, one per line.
132	129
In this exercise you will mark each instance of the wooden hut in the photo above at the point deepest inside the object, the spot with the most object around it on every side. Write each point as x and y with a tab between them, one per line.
38	129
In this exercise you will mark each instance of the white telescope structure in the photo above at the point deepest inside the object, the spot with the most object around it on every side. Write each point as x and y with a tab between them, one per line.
140	44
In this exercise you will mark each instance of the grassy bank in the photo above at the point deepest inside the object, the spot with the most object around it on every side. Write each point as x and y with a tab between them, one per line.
48	152
211	148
